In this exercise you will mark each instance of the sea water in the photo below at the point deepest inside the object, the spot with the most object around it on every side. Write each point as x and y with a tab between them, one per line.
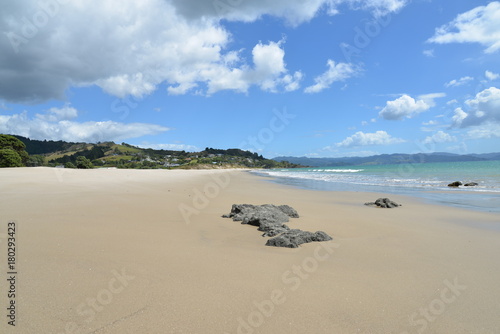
426	180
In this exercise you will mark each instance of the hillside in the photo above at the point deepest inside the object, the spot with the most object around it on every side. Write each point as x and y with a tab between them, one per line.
385	159
110	154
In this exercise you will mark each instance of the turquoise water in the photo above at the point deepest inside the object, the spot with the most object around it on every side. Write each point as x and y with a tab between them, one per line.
427	180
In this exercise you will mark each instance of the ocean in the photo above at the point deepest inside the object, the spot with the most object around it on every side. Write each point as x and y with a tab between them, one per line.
425	180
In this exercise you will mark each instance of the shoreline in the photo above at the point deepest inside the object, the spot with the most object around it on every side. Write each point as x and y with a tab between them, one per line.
460	198
112	251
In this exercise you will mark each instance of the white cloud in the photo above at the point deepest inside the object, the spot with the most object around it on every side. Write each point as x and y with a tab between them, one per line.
335	72
478	25
131	47
439	137
269	72
491	75
291	82
483	110
293	11
404	106
378	7
459	82
55	125
59	114
485	131
430	123
365	139
429	98
454	101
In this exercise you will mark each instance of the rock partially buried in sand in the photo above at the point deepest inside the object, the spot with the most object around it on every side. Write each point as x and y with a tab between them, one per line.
455	184
246	213
270	219
384	203
294	238
471	184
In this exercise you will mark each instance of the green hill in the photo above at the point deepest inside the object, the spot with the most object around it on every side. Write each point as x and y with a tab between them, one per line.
110	154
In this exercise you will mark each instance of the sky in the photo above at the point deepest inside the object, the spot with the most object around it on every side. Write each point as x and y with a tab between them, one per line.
318	78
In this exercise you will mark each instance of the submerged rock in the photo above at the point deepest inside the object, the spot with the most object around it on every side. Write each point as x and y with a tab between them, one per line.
471	184
384	203
294	238
455	184
270	219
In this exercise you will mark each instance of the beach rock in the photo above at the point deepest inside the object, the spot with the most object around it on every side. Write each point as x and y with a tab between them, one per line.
294	238
270	219
471	184
271	230
384	203
248	213
455	184
288	210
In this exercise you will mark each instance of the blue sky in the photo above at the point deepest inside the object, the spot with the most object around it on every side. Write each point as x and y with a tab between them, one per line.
319	78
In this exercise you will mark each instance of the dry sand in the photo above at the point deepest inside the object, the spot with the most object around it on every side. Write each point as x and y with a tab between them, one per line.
109	251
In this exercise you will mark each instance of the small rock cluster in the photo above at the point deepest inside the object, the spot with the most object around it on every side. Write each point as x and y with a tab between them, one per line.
384	203
270	219
456	184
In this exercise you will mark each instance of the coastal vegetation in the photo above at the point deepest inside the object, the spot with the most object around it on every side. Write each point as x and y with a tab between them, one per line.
109	154
12	152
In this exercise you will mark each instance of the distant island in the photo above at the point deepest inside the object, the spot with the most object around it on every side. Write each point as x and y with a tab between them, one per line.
18	151
386	159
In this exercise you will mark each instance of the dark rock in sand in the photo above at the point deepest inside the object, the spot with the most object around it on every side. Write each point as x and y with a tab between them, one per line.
455	184
248	213
270	219
471	184
271	230
294	238
384	203
288	210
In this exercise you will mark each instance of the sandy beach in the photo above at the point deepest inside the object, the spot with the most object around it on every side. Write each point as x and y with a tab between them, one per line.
146	251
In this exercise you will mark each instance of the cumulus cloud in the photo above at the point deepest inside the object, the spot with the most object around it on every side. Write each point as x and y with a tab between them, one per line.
59	114
131	47
459	82
478	25
366	139
484	109
335	72
404	106
293	11
439	137
55	124
491	75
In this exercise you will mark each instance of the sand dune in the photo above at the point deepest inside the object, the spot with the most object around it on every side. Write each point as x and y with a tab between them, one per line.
146	251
